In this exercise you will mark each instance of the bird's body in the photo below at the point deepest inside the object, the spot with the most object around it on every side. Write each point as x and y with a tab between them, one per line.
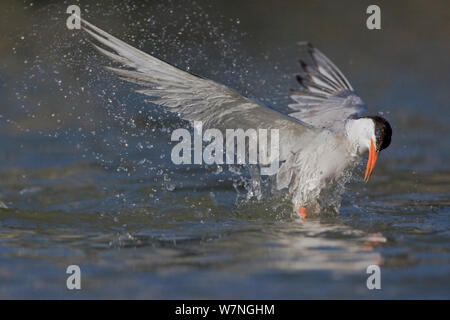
318	141
319	164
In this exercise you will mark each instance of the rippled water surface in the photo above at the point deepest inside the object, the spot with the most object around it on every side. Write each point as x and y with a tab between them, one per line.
86	176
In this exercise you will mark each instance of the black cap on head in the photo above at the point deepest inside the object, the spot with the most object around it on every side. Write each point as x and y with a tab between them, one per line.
383	132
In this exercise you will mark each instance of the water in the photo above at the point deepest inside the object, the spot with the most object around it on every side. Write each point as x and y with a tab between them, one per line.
85	175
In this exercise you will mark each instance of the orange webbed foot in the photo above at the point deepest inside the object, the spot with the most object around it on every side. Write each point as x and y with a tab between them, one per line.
302	212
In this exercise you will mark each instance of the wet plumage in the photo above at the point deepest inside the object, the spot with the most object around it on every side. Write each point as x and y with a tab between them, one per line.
323	136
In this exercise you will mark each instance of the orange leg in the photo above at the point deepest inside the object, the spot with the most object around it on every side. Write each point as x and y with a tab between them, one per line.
302	212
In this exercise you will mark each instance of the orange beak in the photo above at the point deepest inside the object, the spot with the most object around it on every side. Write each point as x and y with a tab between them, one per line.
373	157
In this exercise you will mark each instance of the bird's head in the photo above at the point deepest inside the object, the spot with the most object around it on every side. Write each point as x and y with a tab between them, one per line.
373	134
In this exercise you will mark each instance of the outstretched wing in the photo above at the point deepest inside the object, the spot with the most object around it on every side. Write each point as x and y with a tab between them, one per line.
195	98
326	98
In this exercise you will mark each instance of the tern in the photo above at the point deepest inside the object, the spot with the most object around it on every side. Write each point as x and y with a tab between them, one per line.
323	136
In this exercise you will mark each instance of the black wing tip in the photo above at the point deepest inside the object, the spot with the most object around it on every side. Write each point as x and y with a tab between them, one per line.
303	81
307	44
310	48
304	65
319	62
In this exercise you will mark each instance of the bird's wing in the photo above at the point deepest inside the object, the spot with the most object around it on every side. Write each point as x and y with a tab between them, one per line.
326	98
195	98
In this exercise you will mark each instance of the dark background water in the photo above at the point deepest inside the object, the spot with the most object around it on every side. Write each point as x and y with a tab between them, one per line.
85	175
